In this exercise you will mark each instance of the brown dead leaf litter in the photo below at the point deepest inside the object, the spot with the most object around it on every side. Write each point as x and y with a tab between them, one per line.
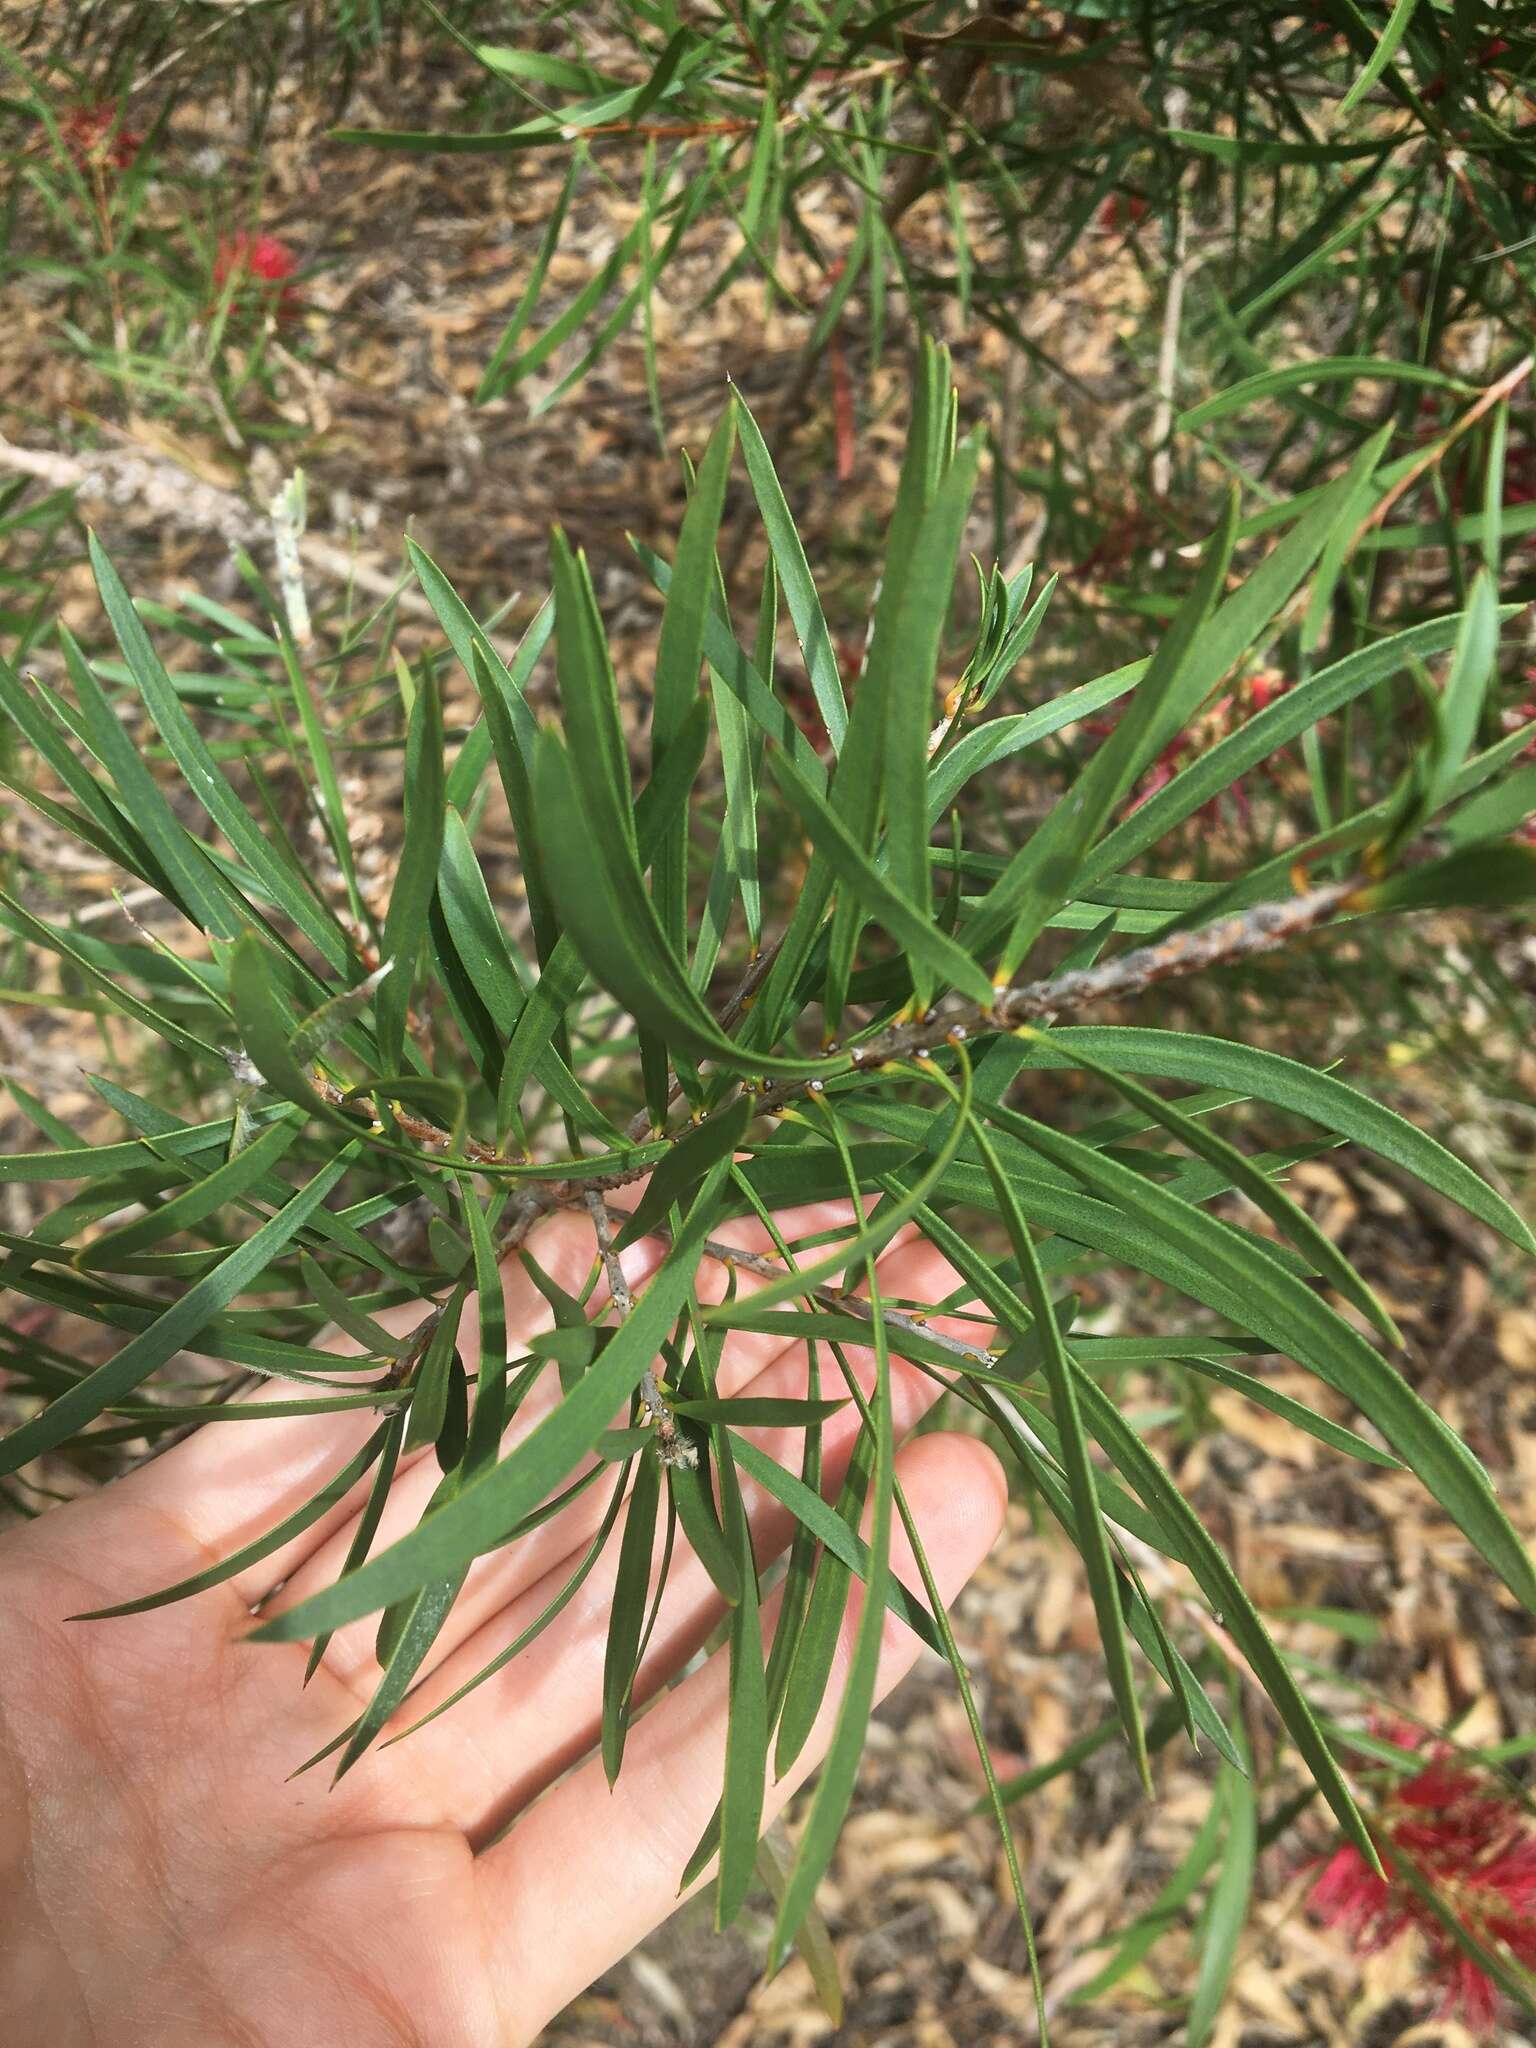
413	267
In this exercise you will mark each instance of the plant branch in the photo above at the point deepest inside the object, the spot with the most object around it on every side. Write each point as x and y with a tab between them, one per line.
1437	450
672	1447
1259	929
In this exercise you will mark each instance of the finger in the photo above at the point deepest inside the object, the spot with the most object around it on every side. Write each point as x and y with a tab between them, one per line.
501	1576
231	1481
520	1729
587	1873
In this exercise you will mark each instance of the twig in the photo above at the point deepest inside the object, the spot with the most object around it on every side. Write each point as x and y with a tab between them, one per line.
166	492
1500	388
1259	929
672	1447
769	1268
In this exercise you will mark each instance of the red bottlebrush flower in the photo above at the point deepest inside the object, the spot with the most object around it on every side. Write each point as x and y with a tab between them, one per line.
1262	689
842	408
1214	722
1523	714
92	135
1114	546
1495	48
259	264
1465	1842
1122	211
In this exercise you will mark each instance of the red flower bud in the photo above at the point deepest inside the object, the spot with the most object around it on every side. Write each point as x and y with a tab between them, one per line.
259	264
92	135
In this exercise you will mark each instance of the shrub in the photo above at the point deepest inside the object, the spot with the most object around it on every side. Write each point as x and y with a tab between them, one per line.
352	1062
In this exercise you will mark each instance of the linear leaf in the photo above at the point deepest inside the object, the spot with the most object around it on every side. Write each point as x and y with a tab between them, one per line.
1320	370
834	1790
903	919
491	1502
796	581
1291	1085
680	653
410	900
627	1611
1223	1589
227	1183
1092	1537
334	1491
1319	1250
1242	1279
612	922
675	1179
282	879
173	1330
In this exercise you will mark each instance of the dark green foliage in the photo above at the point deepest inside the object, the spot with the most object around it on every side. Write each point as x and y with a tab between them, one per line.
335	1106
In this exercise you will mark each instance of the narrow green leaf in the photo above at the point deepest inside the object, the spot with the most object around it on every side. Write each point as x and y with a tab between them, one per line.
920	618
1493	876
758	1411
746	1741
689	1488
627	1612
334	1491
675	1179
367	1522
1043	873
1226	1913
183	859
867	1241
541	1621
1092	1537
834	1790
1461	702
429	1392
903	919
405	1642
491	1502
1220	766
679	655
835	1528
405	925
1243	1280
173	1330
1289	1084
1261	1190
1320	370
612	922
1334	1434
227	1183
1224	1591
491	1368
1386	48
264	1031
795	580
281	879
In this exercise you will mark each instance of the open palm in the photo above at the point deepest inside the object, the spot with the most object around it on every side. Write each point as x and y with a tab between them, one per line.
163	1880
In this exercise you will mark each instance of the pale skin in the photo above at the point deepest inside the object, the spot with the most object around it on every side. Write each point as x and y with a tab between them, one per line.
162	1882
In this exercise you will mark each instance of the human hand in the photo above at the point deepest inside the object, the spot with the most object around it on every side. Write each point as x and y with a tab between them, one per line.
163	1882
